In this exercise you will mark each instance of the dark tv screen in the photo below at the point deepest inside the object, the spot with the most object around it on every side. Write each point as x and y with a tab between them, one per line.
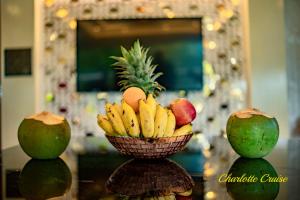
175	44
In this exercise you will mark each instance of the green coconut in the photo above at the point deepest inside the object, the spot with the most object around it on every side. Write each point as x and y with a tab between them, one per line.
251	133
44	135
252	190
44	179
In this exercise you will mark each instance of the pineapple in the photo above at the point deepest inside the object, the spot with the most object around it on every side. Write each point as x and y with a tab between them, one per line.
135	69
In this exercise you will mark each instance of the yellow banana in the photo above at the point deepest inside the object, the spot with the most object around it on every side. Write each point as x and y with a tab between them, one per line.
171	123
147	119
186	193
170	197
104	123
184	130
160	122
115	119
139	119
150	198
152	103
118	108
130	120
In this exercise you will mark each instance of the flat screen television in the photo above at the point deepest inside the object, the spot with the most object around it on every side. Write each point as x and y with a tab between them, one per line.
175	44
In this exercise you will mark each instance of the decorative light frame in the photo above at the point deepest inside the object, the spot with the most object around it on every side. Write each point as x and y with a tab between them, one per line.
224	57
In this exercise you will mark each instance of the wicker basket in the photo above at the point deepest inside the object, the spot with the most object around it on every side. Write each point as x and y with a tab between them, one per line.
149	177
149	148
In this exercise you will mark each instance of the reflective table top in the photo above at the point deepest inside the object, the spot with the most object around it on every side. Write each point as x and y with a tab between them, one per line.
92	169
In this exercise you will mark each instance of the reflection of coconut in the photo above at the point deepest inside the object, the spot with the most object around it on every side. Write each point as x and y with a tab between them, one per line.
155	177
256	190
43	179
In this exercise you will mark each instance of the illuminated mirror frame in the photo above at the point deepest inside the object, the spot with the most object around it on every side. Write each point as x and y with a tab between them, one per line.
225	80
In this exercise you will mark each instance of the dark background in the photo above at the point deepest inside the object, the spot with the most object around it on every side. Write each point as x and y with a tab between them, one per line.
176	46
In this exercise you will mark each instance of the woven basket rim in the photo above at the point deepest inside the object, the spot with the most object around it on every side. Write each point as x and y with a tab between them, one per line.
149	148
145	139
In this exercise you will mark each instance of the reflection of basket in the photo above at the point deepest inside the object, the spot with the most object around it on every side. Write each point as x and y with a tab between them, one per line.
155	177
149	148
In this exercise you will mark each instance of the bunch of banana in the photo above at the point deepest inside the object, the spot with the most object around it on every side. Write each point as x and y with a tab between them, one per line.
113	114
151	121
104	123
157	121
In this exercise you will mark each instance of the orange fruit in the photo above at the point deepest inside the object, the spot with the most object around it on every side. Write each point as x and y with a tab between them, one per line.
132	96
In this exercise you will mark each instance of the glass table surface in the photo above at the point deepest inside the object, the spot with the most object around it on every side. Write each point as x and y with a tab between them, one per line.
92	169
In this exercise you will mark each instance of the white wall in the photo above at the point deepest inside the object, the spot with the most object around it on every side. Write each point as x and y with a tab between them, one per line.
292	27
267	60
18	91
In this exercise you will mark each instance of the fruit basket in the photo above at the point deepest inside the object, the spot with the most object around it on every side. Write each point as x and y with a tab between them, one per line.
140	179
139	126
149	148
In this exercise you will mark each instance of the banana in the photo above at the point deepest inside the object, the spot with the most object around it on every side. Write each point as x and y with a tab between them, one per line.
160	122
149	198
152	103
171	123
130	120
186	193
184	130
139	119
170	197
104	123
118	108
147	119
115	119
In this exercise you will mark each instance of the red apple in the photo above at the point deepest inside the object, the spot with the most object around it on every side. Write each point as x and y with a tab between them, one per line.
184	111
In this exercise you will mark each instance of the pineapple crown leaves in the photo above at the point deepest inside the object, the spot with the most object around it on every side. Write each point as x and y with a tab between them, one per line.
135	69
